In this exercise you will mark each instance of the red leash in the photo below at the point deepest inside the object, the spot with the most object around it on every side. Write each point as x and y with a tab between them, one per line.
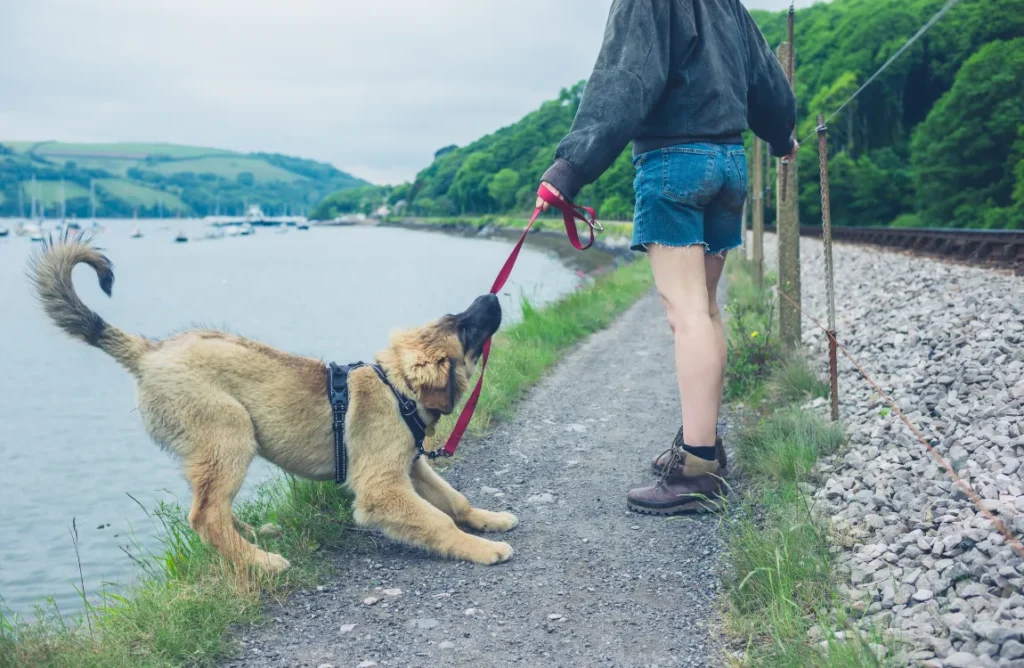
570	214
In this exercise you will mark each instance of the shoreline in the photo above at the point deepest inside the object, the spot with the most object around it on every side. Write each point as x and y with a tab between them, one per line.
547	233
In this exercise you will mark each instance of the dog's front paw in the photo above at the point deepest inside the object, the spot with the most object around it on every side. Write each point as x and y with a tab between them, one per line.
485	520
269	529
489	552
273	563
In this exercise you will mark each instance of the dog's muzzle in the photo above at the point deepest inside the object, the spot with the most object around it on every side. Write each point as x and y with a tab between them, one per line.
479	322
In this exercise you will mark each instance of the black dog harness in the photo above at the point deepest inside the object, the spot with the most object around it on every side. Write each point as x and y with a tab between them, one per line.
337	392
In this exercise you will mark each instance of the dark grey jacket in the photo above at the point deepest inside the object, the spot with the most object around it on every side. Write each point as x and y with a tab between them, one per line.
674	72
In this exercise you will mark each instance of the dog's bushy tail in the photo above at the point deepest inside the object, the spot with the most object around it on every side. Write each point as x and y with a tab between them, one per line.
50	271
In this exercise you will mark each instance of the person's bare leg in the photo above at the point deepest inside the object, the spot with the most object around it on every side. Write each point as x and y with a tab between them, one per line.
681	277
713	267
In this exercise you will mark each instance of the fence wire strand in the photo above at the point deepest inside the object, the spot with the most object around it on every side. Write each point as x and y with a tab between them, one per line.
957	480
899	52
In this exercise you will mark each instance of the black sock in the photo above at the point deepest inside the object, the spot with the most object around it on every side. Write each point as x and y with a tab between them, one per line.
707	453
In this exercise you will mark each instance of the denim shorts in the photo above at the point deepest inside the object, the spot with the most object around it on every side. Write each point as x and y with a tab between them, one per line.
690	194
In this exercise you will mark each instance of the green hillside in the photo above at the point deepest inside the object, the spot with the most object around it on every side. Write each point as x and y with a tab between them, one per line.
140	196
127	149
48	192
149	178
228	167
936	140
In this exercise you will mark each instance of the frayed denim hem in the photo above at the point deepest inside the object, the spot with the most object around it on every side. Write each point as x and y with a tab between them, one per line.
642	247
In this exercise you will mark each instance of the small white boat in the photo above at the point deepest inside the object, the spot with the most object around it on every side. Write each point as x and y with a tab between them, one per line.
246	229
33	231
136	233
181	238
4	232
302	226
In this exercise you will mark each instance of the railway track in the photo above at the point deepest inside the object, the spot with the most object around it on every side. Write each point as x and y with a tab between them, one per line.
1002	249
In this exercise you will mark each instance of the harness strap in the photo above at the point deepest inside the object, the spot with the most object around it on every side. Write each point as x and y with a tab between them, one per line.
337	391
570	214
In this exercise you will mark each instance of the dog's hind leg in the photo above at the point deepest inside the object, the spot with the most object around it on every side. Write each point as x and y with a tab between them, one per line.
391	504
449	501
219	456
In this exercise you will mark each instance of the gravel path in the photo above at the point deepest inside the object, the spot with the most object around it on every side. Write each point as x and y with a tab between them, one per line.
590	583
946	342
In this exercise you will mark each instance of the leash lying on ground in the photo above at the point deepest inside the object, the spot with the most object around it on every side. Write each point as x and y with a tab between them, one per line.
570	214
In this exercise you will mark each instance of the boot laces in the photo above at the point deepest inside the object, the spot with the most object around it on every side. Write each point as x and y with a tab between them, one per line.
675	457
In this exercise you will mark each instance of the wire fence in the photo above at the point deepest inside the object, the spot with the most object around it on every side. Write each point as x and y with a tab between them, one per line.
830	331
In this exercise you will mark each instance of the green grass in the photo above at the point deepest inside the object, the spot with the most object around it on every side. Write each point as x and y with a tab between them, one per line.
49	192
139	195
227	166
549	221
754	349
119	166
187	597
783	587
139	150
794	382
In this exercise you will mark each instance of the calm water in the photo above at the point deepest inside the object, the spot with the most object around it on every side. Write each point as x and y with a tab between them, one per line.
71	445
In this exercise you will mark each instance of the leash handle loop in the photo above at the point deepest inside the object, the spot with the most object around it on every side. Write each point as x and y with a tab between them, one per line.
570	214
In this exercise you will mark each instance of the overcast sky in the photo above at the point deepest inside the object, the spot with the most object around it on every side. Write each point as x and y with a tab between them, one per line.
371	86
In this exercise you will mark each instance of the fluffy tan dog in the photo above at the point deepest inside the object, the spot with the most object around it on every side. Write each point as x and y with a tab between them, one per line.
217	400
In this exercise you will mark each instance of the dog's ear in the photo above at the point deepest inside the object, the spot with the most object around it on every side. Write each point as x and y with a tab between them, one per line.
437	391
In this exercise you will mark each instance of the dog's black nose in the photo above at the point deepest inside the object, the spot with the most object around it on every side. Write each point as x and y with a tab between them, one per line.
480	321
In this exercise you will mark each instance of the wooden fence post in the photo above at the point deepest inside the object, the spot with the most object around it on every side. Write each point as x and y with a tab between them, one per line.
788	227
758	213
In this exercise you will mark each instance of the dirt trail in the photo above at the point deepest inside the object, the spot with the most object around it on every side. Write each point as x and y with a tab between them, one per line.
590	584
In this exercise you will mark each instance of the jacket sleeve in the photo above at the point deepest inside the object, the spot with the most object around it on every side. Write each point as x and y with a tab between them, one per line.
628	79
771	104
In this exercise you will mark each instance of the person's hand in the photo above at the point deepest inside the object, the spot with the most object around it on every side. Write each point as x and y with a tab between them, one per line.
791	156
541	203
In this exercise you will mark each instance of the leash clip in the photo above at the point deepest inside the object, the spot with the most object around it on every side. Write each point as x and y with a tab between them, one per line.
590	218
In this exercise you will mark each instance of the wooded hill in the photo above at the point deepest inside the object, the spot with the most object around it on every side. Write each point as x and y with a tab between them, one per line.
937	140
150	179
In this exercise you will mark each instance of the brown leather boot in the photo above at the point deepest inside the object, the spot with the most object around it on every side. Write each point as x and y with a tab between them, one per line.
694	486
658	464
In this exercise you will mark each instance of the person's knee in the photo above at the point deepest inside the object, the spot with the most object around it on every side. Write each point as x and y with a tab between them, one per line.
684	321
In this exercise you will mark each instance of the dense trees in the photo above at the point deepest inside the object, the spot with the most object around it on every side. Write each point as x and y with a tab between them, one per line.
936	140
920	119
968	153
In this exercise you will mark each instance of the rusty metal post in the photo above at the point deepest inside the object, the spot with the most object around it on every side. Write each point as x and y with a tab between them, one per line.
758	213
830	290
788	226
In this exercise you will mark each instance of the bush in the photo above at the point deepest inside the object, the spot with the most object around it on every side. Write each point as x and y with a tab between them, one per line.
753	349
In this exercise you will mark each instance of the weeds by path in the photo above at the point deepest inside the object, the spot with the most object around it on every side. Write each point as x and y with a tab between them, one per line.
784	605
